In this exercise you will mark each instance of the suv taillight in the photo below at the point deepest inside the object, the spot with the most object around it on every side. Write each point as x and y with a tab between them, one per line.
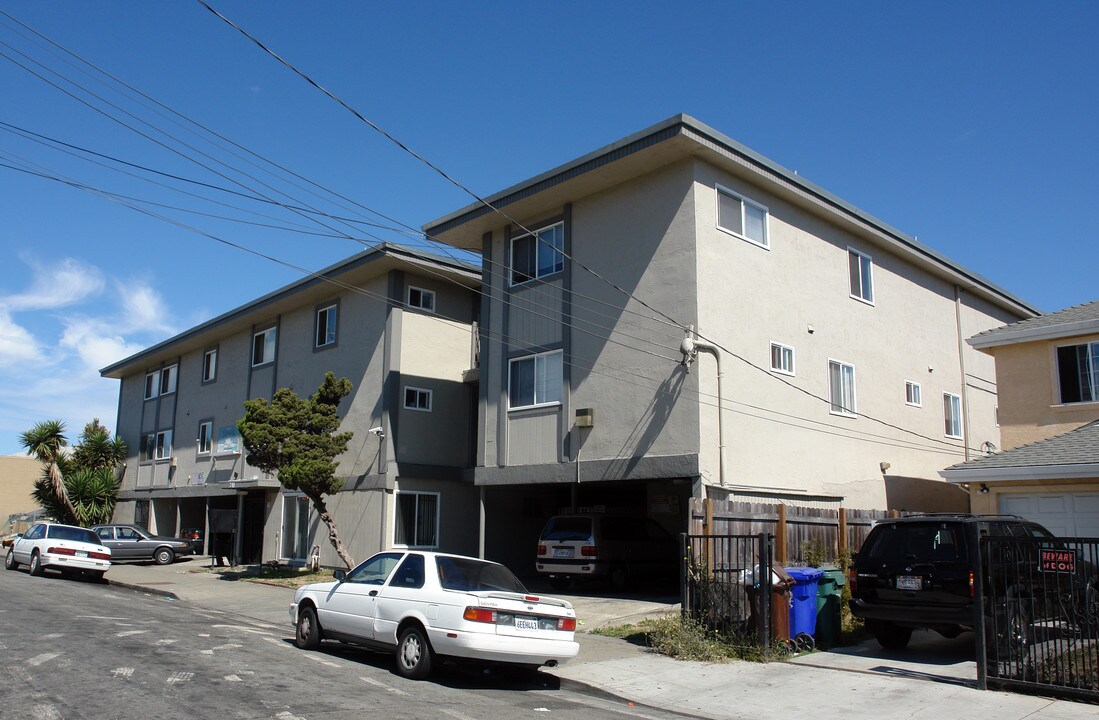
852	580
972	590
588	551
541	550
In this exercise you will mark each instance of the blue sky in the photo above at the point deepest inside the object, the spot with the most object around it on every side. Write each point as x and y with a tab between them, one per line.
969	125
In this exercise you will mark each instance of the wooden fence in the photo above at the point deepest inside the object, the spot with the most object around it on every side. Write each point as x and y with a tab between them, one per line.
792	526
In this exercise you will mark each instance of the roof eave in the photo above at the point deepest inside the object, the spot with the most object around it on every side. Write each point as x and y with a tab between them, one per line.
996	338
1021	472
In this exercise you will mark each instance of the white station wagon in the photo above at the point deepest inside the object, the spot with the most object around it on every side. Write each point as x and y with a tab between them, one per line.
425	605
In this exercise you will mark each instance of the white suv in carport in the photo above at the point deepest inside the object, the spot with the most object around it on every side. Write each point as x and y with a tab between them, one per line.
618	548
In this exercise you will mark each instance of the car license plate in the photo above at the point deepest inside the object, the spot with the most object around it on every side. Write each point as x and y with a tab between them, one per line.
526	623
81	553
909	582
562	552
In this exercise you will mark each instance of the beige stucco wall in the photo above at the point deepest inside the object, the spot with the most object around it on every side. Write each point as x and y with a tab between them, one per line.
797	293
17	476
1029	409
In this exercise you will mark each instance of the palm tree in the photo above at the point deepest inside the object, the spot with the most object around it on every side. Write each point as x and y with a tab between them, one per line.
45	441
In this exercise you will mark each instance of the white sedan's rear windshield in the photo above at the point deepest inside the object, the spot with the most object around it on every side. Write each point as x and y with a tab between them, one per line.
466	574
60	532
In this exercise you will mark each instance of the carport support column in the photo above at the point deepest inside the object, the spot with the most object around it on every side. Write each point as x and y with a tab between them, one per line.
240	527
481	525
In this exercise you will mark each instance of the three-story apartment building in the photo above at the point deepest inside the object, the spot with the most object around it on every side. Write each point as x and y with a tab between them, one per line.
827	361
398	324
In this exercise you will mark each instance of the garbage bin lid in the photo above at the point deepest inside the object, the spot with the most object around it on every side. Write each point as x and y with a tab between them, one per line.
805	575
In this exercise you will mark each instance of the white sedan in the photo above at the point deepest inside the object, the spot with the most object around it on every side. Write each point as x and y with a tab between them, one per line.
425	605
60	547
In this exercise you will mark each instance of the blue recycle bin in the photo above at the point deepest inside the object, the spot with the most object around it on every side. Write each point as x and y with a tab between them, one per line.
803	608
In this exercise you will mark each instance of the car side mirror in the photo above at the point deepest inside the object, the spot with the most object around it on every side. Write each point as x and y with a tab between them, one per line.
339	575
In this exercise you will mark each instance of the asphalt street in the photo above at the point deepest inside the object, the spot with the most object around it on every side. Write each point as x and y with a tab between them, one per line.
81	649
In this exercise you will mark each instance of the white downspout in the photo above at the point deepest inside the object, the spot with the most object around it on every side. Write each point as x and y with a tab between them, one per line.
690	349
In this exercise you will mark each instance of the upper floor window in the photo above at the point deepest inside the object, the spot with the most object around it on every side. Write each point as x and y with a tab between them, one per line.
952	414
161	382
420	298
263	347
741	217
204	442
158	446
539	254
210	365
841	387
862	279
1078	372
417	399
326	326
912	394
782	358
535	380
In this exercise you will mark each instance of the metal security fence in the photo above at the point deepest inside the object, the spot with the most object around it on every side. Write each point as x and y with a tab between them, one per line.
725	584
1039	631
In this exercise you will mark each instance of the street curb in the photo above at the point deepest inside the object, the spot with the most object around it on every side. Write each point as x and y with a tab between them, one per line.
167	594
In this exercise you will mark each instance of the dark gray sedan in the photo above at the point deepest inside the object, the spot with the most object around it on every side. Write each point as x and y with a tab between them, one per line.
133	542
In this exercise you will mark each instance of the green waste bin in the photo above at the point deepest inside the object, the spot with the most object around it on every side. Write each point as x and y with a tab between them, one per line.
829	623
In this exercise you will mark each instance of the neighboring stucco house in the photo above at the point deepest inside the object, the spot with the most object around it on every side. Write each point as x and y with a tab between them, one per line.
846	379
17	476
398	324
1047	370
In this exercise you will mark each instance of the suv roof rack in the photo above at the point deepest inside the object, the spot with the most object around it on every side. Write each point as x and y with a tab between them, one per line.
976	516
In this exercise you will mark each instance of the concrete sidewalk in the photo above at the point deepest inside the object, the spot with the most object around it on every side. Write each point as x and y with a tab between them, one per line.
934	678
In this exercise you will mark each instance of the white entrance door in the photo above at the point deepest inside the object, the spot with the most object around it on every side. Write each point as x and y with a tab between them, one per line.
1064	514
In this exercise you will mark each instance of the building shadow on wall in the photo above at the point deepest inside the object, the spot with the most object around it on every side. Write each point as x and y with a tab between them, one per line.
914	494
648	428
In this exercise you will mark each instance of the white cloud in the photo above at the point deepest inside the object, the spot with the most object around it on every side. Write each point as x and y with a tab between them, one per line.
17	344
142	309
55	285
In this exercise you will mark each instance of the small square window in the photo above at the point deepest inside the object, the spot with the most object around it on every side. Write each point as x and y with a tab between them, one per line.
860	267
417	399
538	255
422	299
782	358
263	347
1078	373
210	365
741	217
912	394
326	327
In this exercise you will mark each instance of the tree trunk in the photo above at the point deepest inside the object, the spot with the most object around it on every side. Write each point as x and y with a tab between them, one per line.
333	531
62	493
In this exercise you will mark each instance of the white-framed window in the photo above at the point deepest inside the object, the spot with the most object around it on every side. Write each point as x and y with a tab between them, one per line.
417	399
782	358
417	522
422	299
860	267
210	365
295	527
168	379
952	415
742	217
263	347
539	254
1078	372
912	395
535	380
152	384
163	445
325	335
205	439
841	388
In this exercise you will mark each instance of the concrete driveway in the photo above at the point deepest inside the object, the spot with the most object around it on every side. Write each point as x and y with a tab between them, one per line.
929	656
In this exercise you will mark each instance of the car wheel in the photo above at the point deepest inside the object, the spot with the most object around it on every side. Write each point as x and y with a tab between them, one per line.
414	654
892	637
307	634
36	564
164	556
9	560
1015	633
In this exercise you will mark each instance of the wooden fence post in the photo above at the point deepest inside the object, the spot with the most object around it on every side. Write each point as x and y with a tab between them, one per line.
780	536
708	529
841	544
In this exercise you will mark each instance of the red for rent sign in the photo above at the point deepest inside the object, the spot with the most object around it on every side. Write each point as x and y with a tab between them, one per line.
1057	561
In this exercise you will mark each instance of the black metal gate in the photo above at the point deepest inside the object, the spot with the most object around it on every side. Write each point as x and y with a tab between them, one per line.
725	584
1039	631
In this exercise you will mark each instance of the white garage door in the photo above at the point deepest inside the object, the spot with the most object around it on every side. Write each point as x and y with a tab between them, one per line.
1064	514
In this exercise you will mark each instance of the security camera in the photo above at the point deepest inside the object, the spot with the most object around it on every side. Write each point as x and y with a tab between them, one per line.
376	431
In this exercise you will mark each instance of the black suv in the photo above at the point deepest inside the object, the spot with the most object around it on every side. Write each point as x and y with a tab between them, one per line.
919	572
